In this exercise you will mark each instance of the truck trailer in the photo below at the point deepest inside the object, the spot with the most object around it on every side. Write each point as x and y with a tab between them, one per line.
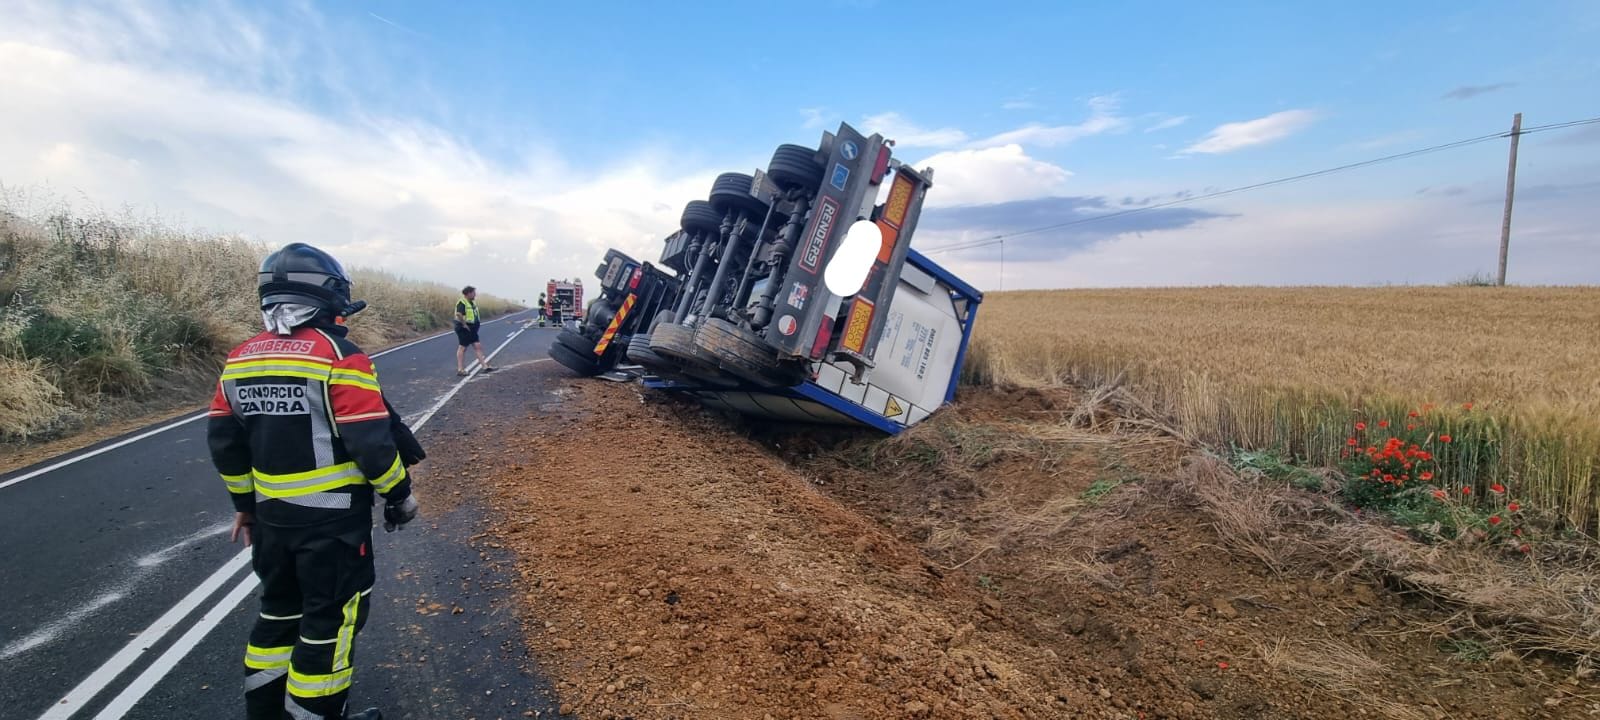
791	293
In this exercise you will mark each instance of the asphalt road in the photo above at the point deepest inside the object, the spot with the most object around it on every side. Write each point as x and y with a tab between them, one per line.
120	596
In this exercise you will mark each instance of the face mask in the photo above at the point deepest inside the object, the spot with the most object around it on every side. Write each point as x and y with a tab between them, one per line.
283	318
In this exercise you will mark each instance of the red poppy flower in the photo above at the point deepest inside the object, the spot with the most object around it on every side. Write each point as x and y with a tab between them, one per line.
1525	548
1222	666
1497	488
1466	491
1439	494
1361	426
1517	532
1413	413
1513	506
1444	438
1383	423
1411	427
1388	478
1351	442
1494	520
1466	406
1426	475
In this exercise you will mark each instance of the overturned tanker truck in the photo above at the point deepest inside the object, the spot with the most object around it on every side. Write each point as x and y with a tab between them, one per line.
791	294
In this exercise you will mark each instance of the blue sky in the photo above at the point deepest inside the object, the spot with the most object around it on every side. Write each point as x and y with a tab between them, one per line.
505	142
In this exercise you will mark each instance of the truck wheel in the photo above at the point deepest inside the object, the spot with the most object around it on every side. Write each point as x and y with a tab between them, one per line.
675	344
700	217
731	191
575	342
583	365
795	166
746	355
639	352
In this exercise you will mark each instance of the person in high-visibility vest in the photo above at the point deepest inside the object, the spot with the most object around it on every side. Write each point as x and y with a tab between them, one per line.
467	330
303	438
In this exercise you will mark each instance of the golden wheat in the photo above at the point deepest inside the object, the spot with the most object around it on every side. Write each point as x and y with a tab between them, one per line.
1295	367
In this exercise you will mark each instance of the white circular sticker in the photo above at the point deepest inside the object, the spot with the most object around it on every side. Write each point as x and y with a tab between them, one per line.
787	325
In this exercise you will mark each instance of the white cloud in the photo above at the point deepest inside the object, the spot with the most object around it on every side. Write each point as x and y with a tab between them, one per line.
904	133
95	110
1103	118
1229	137
991	175
1168	123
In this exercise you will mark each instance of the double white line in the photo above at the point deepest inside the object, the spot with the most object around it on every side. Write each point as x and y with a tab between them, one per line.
77	698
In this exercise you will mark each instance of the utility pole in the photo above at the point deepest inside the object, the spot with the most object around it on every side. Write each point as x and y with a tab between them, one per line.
1002	265
1511	193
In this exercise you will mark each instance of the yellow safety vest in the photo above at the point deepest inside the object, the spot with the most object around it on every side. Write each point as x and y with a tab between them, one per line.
471	315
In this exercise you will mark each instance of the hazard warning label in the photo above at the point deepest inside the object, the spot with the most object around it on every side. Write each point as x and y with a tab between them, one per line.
892	408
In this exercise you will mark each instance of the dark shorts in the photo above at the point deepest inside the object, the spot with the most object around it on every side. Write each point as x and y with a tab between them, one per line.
466	335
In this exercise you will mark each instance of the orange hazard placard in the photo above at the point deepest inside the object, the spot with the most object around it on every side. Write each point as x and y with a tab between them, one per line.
855	333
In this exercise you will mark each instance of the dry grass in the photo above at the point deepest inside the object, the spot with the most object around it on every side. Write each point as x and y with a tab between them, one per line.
1294	367
99	314
1340	669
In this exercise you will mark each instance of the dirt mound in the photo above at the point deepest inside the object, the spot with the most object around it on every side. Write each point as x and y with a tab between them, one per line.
1009	559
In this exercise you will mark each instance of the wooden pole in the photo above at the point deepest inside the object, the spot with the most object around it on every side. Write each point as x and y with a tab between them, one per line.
1511	193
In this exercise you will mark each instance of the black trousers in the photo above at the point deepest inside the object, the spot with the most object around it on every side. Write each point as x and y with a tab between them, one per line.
316	584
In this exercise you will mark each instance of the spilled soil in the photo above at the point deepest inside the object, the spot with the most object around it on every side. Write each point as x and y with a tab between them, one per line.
992	563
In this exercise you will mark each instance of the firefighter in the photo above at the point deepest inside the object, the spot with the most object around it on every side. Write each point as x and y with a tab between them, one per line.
544	312
303	438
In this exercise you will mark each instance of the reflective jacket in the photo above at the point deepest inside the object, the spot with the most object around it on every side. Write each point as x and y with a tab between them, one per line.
300	431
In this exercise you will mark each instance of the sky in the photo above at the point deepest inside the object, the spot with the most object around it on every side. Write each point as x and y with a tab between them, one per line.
504	143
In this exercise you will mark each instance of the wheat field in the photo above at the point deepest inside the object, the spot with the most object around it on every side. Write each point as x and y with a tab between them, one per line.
1294	368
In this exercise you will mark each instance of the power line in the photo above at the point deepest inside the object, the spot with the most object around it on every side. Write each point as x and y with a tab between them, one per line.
971	244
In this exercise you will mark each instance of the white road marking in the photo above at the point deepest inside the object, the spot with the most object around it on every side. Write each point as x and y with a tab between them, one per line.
427	415
129	441
91	686
125	700
160	556
164	664
49	632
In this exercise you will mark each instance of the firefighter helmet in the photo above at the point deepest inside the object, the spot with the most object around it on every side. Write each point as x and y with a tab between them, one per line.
300	273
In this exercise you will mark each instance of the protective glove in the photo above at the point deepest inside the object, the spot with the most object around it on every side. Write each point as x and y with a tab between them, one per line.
396	515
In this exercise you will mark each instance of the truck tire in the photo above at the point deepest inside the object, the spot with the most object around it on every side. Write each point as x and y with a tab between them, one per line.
700	217
576	342
795	166
639	352
745	355
583	365
676	346
731	191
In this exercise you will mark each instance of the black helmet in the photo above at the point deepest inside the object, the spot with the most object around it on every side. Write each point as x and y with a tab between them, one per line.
303	274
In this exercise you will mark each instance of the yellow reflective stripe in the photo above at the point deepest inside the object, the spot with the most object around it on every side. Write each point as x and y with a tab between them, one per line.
357	374
238	484
305	483
310	686
260	658
354	382
347	633
390	477
242	375
320	365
